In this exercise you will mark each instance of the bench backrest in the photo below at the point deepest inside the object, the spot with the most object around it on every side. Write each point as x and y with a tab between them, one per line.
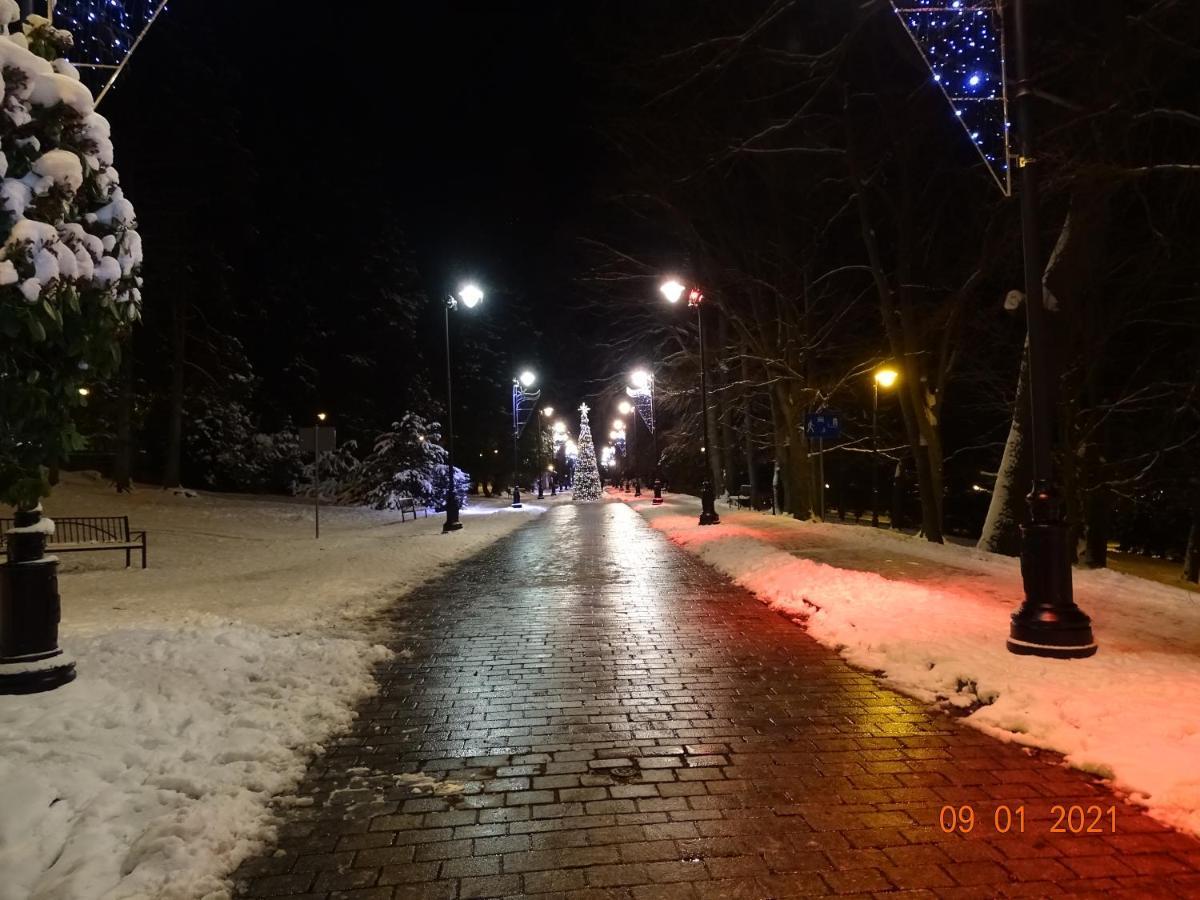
83	529
744	490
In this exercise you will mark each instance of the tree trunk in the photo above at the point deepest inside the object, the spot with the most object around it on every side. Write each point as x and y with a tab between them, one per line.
1097	506
1191	558
925	446
171	468
920	420
783	452
1006	511
797	471
123	463
729	472
898	485
748	433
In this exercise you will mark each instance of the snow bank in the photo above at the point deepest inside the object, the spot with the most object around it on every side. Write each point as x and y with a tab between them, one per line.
149	776
205	683
935	628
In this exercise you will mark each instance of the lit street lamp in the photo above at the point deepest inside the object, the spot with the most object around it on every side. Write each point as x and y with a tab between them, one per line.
547	412
673	291
1049	623
522	394
471	296
884	378
641	388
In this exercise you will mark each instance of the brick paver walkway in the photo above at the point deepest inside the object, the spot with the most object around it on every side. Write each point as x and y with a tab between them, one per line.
584	711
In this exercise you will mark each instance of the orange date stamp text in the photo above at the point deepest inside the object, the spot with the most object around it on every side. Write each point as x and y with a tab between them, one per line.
1072	819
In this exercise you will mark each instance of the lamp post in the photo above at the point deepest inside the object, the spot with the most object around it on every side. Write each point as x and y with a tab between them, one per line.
470	296
1048	622
546	411
521	385
641	385
884	378
673	290
625	408
620	445
558	436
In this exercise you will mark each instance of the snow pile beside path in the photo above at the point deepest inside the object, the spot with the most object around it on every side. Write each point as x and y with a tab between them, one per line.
1131	713
150	775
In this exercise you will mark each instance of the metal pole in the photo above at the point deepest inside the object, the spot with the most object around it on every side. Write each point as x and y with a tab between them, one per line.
875	459
541	469
317	478
708	512
821	472
1048	622
658	484
516	496
452	523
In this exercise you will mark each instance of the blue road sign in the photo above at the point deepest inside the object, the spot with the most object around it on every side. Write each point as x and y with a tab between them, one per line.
823	426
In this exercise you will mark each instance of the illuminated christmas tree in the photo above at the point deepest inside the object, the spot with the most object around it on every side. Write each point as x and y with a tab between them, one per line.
587	475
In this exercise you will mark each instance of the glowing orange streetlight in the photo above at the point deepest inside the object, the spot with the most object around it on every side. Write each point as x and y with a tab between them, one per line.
884	378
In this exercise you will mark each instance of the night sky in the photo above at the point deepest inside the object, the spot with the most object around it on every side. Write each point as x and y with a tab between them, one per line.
468	124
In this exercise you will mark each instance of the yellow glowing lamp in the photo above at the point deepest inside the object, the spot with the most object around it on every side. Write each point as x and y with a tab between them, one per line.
885	378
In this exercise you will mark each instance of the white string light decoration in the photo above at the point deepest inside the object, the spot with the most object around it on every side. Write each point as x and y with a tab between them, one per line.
962	42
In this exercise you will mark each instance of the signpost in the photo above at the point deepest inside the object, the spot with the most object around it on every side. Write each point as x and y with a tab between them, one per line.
819	426
322	440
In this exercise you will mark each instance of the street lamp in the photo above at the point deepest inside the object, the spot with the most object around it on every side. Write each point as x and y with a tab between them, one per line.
624	407
547	412
471	296
673	290
884	378
1049	623
641	388
522	394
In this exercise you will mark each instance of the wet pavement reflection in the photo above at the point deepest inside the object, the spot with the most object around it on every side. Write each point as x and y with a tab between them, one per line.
583	710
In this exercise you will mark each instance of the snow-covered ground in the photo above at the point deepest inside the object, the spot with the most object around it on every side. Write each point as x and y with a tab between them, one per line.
205	682
934	619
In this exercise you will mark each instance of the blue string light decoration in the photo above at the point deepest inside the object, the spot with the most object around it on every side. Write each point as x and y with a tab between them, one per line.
962	42
106	32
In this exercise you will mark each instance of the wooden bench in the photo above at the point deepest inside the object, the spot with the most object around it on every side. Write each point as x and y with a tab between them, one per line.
409	505
77	534
742	498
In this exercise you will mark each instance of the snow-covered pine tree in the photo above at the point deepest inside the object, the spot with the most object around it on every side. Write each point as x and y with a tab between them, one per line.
69	254
587	474
407	461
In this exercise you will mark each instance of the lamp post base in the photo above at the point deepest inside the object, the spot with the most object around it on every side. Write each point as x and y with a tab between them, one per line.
516	504
658	497
451	526
30	658
708	511
1048	623
33	678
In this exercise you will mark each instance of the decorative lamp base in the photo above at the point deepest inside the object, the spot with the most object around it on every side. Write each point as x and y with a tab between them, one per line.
30	658
33	678
1048	623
